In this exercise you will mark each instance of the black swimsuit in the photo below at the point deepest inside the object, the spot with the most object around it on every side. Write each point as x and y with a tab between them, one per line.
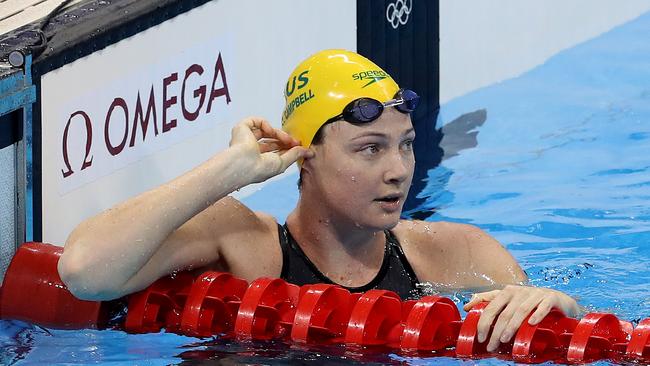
395	274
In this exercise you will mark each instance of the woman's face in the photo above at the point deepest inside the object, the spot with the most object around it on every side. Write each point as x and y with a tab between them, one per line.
363	172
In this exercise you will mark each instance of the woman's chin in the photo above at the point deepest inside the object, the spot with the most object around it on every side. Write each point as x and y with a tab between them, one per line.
383	222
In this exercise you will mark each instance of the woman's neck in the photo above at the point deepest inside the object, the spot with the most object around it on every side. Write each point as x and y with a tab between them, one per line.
345	252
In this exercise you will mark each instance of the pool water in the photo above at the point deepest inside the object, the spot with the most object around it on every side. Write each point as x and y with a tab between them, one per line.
557	169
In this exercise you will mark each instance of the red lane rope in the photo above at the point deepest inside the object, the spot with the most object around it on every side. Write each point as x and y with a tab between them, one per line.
329	314
217	303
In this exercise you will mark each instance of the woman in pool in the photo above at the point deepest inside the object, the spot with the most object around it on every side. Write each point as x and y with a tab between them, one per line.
348	125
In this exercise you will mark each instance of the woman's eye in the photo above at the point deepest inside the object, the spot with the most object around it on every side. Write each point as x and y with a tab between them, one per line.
370	149
407	145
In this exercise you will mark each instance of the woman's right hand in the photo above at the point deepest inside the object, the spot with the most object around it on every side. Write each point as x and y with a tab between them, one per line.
270	151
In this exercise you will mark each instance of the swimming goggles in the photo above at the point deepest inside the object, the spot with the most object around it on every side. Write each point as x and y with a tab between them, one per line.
366	110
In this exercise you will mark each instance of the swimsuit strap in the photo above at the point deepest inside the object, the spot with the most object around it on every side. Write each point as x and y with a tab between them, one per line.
392	240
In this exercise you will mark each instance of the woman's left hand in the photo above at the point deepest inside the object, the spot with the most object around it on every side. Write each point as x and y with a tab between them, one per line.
512	305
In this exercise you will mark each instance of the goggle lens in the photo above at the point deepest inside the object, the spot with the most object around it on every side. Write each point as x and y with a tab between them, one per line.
365	110
410	99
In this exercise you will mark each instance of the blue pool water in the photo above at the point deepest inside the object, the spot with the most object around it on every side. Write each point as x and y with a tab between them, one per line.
560	175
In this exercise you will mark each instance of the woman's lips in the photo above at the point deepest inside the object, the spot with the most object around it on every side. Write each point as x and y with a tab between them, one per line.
390	203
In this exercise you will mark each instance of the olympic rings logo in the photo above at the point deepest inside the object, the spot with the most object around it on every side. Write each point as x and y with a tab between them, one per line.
398	13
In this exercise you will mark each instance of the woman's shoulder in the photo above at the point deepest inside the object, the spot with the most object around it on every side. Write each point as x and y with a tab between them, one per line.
247	241
440	241
434	232
442	251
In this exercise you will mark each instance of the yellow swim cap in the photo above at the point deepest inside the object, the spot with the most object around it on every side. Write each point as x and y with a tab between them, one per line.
322	85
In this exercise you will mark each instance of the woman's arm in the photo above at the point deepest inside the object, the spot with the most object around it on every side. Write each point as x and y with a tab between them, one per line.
130	245
468	257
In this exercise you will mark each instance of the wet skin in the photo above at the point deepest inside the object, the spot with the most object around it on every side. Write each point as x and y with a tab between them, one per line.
354	186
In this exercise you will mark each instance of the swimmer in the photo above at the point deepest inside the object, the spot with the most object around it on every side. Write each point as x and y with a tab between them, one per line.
347	124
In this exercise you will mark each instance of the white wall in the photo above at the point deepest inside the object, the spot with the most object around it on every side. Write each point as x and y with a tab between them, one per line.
260	42
486	41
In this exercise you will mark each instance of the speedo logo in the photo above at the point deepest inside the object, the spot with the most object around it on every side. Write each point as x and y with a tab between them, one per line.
372	76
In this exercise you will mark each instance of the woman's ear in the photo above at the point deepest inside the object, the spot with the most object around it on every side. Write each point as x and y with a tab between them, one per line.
306	166
307	160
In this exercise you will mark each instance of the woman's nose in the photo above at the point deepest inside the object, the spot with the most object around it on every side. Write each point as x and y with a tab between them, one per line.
398	168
